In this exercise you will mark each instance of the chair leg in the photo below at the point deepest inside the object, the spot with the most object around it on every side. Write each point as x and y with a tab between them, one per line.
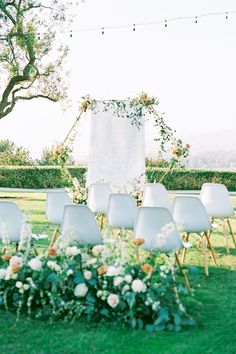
231	232
225	237
182	272
210	231
210	248
185	250
54	235
102	221
205	256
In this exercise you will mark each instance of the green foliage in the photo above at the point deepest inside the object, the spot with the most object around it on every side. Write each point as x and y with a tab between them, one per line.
11	154
53	177
27	49
191	179
49	157
38	177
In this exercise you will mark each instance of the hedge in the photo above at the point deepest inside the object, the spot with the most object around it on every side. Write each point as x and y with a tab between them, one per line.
39	177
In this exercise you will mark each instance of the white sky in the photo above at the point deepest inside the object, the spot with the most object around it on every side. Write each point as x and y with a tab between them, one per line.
189	67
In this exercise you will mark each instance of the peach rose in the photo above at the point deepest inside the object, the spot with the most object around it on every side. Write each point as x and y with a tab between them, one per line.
52	251
6	256
138	241
147	268
102	270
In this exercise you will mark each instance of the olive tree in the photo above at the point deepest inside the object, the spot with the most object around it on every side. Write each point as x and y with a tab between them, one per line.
31	57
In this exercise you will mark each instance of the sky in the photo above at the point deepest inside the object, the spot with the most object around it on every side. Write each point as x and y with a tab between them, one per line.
189	67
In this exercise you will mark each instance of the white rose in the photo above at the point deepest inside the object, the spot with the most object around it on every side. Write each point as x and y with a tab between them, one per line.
72	251
113	300
81	290
69	272
138	286
87	274
128	278
98	249
53	265
19	284
125	288
15	260
3	273
35	264
117	281
26	286
91	261
99	293
112	271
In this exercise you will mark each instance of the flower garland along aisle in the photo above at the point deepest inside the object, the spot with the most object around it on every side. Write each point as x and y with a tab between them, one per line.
133	109
70	282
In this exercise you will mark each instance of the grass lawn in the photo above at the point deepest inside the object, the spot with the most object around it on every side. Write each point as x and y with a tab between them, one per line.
216	316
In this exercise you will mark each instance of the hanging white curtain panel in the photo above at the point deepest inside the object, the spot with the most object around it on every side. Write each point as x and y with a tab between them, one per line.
117	149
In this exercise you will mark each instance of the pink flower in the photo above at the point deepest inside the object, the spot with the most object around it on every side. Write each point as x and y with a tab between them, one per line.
113	300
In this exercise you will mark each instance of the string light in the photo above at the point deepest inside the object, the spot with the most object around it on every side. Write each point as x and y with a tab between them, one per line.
145	24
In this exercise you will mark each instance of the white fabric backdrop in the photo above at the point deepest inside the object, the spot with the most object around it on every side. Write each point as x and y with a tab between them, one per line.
117	150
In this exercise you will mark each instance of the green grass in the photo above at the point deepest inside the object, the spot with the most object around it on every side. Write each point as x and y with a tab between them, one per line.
216	315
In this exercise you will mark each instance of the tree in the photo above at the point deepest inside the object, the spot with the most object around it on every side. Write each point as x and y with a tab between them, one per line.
50	156
31	59
11	154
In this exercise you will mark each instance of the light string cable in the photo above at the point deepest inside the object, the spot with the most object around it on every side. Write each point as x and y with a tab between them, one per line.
134	26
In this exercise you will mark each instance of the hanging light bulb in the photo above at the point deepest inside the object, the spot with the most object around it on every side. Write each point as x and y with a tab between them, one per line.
226	15
103	30
196	19
165	23
71	35
134	28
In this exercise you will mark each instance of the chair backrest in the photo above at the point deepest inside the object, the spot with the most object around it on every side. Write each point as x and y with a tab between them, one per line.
55	204
156	226
190	215
11	215
122	211
79	224
98	197
156	195
216	199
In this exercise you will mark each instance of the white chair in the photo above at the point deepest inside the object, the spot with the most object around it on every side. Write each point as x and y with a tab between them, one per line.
79	224
156	226
122	211
55	204
191	217
217	202
156	195
98	199
12	217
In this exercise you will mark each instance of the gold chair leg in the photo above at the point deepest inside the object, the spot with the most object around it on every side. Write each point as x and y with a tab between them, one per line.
210	231
210	248
205	256
225	237
185	250
54	236
231	232
182	272
101	221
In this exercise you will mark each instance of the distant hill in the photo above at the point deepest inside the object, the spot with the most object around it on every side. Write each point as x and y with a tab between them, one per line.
216	150
214	141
